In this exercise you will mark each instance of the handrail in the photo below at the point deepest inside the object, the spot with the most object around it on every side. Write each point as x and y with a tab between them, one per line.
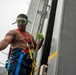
41	23
44	12
35	18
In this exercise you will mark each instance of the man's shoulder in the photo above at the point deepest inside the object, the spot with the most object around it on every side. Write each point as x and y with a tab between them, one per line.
12	31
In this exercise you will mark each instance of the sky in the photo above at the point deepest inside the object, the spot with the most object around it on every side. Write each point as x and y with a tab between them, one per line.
9	10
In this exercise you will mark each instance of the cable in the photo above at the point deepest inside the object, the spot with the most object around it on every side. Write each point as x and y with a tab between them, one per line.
2	63
4	53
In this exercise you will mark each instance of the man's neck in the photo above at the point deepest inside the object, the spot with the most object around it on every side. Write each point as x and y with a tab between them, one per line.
22	30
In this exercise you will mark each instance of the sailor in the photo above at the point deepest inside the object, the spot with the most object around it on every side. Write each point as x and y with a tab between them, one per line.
19	39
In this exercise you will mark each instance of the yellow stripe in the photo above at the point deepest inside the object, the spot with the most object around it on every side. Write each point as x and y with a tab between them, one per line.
52	56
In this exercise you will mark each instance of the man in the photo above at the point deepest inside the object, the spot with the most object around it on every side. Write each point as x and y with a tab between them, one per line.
19	39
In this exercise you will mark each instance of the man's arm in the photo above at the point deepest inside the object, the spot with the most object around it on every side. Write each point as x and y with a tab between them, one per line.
40	43
5	42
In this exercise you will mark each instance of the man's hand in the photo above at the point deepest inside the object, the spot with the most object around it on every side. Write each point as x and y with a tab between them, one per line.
40	36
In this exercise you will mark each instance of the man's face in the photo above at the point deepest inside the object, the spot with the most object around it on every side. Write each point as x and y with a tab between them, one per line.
21	22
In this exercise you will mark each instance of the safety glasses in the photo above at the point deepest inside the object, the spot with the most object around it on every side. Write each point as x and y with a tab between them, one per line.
21	21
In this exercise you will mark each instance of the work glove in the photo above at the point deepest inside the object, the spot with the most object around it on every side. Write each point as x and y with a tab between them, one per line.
39	36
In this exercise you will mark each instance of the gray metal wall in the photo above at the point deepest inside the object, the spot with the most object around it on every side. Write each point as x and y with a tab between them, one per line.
67	54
